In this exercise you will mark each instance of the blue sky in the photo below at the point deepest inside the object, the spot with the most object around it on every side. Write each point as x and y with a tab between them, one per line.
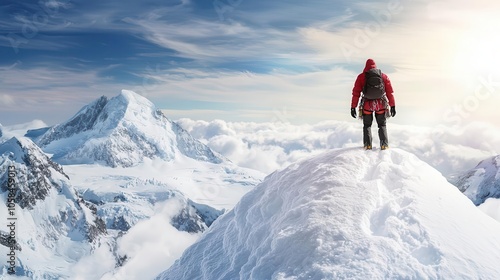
242	60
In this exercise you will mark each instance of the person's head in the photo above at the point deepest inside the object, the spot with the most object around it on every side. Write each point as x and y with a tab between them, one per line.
370	63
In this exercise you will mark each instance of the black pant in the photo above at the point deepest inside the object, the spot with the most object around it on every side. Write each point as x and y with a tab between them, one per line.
367	129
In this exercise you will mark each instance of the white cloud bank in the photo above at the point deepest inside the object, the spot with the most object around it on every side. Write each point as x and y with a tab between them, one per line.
270	146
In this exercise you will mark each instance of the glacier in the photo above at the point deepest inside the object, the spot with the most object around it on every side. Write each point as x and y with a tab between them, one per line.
348	214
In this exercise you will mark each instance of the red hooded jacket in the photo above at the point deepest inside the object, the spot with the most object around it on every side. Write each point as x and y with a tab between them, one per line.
371	105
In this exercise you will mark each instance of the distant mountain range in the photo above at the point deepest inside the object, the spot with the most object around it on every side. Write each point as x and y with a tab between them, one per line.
75	215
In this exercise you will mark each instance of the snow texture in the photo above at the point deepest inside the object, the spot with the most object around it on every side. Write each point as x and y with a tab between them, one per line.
121	131
348	214
481	182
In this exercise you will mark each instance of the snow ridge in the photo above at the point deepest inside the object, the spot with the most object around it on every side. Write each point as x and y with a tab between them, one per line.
121	131
481	182
84	120
348	214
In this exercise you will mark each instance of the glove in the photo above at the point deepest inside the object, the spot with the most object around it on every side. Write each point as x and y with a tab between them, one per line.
353	112
393	111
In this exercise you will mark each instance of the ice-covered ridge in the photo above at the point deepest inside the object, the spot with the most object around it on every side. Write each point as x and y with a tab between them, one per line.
348	214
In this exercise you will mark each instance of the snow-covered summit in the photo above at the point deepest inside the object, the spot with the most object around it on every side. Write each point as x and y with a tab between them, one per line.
348	214
481	182
122	131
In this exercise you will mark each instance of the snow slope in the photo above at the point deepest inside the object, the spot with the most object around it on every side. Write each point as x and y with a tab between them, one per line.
54	226
481	182
348	214
121	131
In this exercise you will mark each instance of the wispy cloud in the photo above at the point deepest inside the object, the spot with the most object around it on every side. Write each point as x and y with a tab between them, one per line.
214	40
325	92
6	100
48	93
300	57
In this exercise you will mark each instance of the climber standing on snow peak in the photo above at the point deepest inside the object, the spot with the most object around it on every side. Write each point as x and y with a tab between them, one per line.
376	100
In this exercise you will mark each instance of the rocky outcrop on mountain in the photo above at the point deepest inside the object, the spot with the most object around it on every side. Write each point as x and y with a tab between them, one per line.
39	182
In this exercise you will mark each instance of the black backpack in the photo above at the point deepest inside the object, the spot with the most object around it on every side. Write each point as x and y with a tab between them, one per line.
374	85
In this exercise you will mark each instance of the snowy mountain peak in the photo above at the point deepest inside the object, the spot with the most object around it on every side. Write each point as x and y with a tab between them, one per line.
54	221
134	100
348	214
83	121
38	169
481	182
127	107
122	131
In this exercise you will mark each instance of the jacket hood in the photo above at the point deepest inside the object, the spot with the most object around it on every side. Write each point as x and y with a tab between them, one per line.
370	63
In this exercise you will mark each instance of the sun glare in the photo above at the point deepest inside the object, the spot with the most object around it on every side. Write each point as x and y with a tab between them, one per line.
478	52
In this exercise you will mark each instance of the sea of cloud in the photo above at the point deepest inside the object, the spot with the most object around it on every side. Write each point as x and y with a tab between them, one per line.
269	146
274	145
150	246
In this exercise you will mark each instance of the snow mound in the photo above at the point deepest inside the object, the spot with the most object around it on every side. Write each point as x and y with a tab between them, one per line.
481	182
121	131
348	214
